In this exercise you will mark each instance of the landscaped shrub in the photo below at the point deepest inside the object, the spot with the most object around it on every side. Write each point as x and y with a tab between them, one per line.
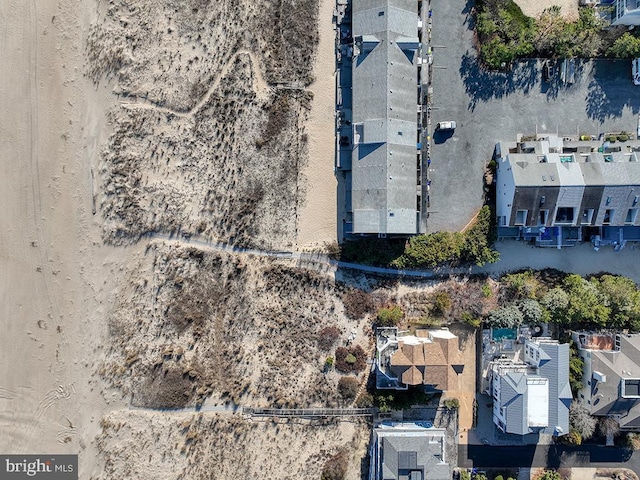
611	138
348	387
357	303
623	137
351	359
389	316
327	337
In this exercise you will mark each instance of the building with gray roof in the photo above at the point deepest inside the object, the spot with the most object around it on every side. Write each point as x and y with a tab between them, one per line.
533	395
385	164
408	451
611	376
559	194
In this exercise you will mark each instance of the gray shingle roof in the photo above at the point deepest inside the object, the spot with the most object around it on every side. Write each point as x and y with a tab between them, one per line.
410	451
556	368
385	78
616	366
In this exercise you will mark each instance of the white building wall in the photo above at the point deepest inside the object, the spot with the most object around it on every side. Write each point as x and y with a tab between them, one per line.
506	189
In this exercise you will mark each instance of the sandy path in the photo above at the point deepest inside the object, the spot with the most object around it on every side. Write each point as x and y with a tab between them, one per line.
569	8
260	87
317	221
55	276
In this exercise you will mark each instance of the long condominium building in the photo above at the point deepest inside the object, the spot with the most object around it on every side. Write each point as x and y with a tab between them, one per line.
385	188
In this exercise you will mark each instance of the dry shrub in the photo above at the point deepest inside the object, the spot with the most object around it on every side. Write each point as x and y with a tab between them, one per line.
348	387
336	467
351	359
169	388
327	337
357	303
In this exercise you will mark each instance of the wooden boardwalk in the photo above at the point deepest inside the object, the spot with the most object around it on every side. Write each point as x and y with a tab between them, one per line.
308	412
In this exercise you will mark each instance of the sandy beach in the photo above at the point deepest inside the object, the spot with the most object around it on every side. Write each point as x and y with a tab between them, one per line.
317	217
568	8
56	274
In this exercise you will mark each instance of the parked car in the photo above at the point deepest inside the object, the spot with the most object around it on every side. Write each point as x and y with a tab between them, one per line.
635	71
450	125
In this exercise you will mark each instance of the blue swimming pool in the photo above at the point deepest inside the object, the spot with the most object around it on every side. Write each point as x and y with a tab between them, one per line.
504	334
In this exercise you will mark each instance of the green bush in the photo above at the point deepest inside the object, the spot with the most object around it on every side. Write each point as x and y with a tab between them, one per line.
442	303
350	358
611	138
451	403
627	46
328	363
487	292
469	319
623	137
430	250
498	477
389	316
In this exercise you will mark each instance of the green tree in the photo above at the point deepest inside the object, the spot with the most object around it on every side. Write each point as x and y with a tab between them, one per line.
522	285
556	302
586	303
442	303
623	298
627	46
531	310
430	250
508	316
495	54
389	316
551	33
479	239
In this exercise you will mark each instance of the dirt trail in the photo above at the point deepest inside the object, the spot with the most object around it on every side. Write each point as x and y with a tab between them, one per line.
260	86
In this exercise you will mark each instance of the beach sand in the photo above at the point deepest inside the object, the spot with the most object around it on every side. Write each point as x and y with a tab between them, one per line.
317	217
569	8
56	274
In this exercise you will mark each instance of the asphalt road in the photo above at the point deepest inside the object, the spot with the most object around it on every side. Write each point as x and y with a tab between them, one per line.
550	456
489	107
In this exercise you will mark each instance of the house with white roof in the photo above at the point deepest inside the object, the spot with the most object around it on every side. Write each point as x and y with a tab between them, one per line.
533	395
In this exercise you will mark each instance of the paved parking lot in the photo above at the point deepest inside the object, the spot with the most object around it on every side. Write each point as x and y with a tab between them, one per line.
489	107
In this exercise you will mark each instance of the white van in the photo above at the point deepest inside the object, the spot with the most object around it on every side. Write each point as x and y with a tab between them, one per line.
635	71
451	125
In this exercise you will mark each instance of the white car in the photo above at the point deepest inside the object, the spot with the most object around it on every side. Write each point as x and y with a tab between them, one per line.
635	71
451	125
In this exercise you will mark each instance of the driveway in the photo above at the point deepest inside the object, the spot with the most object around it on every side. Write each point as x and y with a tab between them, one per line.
550	456
489	107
